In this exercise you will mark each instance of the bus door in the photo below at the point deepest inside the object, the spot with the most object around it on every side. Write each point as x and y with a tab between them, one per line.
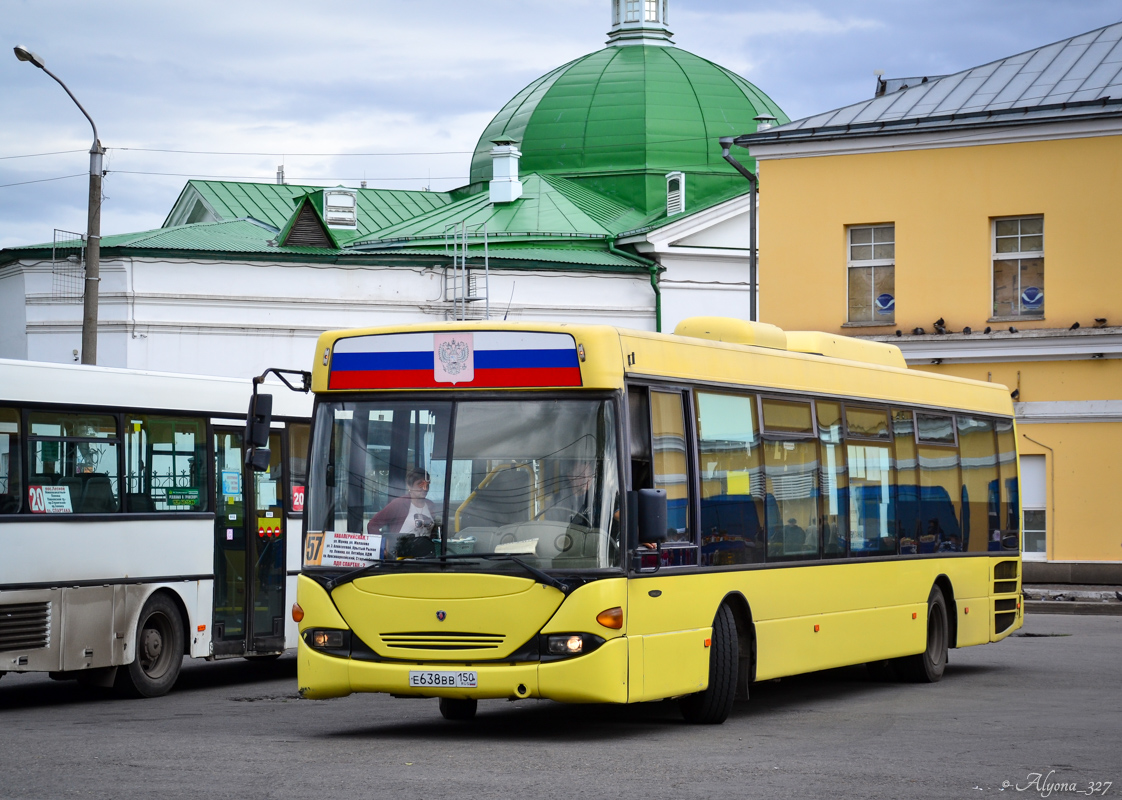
249	552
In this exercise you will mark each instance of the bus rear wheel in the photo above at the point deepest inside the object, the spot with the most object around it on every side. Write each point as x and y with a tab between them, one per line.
158	652
928	666
712	706
451	708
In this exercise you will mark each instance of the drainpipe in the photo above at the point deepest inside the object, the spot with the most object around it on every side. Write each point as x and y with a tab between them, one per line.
654	269
726	144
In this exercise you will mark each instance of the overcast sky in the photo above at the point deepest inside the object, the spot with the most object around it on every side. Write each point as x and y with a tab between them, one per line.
303	83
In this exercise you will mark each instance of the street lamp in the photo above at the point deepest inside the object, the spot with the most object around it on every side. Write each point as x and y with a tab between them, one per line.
93	225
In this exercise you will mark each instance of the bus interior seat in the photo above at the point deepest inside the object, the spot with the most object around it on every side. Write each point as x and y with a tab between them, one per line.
98	496
503	501
140	503
42	479
74	484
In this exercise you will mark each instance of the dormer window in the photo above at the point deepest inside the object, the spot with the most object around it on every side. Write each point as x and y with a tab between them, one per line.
675	193
339	209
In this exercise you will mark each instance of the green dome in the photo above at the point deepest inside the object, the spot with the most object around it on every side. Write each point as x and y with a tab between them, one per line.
624	116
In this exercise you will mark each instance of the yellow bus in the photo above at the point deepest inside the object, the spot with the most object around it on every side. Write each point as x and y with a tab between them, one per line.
591	514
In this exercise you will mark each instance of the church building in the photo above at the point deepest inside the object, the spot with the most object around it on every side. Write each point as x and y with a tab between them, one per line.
598	194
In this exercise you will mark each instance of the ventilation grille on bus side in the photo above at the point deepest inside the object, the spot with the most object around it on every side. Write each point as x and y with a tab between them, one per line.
443	641
1005	570
25	626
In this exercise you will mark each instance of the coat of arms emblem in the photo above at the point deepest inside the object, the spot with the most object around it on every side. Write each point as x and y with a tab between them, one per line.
453	355
454	360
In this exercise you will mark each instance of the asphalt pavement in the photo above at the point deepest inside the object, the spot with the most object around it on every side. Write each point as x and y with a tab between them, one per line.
1044	702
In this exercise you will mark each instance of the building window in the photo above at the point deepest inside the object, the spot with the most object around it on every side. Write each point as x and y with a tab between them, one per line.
652	10
615	11
1035	505
1018	267
872	274
632	11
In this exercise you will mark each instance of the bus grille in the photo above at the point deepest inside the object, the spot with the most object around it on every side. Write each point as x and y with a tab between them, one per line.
25	626
443	641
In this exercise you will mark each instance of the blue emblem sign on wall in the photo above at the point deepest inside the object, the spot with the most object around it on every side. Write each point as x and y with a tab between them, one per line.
440	615
886	305
1032	299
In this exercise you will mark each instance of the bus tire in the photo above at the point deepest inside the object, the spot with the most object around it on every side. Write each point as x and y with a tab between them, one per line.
928	666
459	710
712	706
158	651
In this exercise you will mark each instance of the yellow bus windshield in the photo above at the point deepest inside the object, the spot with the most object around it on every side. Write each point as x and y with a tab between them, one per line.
533	478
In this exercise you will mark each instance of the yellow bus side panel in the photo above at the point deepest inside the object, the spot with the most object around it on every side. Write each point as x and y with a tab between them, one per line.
319	611
674	664
973	627
793	646
319	676
599	677
578	613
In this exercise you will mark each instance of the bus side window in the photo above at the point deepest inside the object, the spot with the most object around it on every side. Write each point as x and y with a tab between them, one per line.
78	452
1010	537
907	488
872	512
732	494
940	486
298	434
11	491
670	461
639	409
791	479
978	449
833	479
165	464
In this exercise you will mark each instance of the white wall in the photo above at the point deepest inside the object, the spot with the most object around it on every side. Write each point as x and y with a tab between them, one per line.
238	318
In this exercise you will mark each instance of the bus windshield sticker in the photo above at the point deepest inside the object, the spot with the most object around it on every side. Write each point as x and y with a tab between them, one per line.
49	500
492	359
183	497
231	482
338	549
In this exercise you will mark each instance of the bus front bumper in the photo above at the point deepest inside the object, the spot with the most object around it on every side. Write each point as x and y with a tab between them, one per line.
598	677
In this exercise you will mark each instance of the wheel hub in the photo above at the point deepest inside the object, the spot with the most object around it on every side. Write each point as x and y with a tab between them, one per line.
153	644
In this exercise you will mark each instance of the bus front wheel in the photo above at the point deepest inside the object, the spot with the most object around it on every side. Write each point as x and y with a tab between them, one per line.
453	709
158	652
712	706
928	666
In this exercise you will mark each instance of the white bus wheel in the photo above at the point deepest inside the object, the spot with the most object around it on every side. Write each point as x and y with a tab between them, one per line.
158	651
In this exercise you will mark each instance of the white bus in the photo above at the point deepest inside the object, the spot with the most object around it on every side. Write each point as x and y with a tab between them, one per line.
131	531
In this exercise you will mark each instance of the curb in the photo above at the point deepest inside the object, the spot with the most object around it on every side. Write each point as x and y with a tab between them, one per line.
1073	607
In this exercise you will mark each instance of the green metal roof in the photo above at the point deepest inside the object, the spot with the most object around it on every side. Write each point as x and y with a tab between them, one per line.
594	254
274	203
549	207
627	110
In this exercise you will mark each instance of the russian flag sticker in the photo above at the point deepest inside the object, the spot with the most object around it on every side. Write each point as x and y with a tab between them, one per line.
473	359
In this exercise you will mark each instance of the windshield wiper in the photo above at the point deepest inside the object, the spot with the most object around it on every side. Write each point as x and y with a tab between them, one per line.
539	575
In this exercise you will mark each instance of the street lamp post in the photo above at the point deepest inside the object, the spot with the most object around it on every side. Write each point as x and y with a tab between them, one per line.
93	222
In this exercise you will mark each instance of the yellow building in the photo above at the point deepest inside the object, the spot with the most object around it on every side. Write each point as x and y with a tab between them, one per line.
968	219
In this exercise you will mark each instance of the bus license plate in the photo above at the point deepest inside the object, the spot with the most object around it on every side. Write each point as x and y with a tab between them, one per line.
449	680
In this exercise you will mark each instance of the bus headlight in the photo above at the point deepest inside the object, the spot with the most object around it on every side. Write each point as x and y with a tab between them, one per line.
328	639
566	645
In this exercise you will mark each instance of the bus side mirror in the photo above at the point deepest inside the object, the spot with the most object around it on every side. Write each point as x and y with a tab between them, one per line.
647	519
258	422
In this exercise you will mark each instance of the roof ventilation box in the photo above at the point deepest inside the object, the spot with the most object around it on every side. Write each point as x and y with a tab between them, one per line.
340	208
733	331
